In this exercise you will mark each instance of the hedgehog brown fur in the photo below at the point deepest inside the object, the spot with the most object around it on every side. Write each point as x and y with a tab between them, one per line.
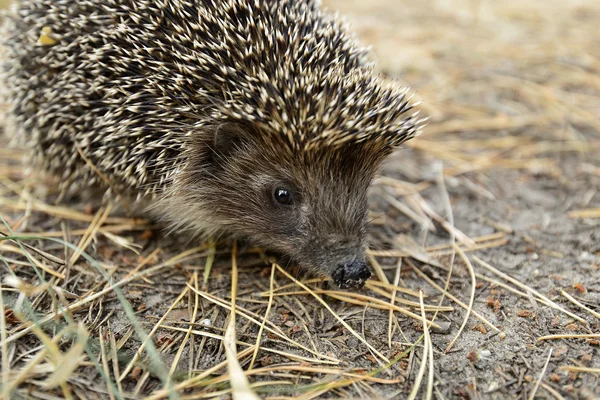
213	110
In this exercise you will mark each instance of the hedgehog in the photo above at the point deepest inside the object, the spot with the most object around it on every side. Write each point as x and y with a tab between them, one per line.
260	120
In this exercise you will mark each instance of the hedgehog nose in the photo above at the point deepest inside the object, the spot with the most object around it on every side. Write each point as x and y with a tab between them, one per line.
351	274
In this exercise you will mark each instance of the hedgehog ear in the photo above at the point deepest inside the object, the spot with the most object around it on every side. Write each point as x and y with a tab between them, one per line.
228	138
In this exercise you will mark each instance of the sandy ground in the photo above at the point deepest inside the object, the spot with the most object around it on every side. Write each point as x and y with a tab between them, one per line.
512	89
513	64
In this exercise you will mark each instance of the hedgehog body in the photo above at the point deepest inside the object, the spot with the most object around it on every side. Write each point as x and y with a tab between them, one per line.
260	119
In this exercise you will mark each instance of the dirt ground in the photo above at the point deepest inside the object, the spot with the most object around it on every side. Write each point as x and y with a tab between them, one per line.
508	168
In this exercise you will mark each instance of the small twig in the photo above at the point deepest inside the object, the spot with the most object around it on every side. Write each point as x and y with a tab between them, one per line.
578	304
570	336
537	385
572	368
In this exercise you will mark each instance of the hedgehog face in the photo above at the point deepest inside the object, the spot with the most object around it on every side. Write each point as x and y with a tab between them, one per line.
308	206
316	225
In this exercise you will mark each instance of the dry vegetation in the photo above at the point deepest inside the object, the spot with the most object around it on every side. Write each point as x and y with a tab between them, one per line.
485	246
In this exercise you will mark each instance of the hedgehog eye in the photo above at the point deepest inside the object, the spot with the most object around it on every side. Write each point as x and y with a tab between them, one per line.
283	196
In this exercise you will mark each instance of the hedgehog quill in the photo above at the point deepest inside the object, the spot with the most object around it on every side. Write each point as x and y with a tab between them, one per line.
258	119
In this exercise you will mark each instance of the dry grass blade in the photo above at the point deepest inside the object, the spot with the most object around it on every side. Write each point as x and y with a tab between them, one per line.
291	356
578	304
64	308
362	300
192	382
42	253
427	344
572	368
271	329
80	303
482	246
321	370
86	239
104	358
482	242
115	360
454	299
6	373
370	284
27	370
148	338
471	297
319	389
106	229
277	369
65	212
450	228
537	385
240	388
67	363
190	329
348	327
262	326
422	221
223	393
61	365
377	269
588	213
450	216
393	301
424	360
121	241
414	304
210	259
491	124
401	188
552	391
527	288
570	336
38	264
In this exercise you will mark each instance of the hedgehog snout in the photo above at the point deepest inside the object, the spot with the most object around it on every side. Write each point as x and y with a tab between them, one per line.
351	275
